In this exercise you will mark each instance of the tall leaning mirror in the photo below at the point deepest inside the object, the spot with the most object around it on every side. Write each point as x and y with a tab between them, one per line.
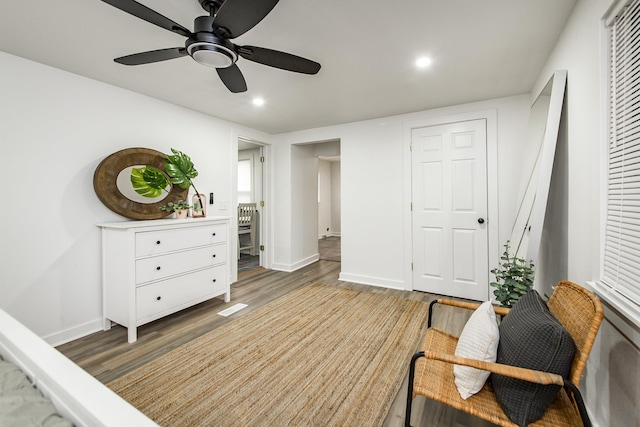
542	136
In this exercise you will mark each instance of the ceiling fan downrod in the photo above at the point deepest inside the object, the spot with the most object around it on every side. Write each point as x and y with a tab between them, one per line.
211	6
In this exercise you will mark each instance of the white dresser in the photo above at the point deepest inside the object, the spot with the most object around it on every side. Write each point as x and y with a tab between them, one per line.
151	269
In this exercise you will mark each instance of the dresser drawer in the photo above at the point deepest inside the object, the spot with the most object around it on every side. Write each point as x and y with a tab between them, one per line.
161	266
161	297
158	242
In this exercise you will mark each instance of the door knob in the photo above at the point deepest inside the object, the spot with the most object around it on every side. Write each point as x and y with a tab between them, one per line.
480	220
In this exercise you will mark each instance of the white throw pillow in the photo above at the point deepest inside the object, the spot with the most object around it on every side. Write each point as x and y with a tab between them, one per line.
479	340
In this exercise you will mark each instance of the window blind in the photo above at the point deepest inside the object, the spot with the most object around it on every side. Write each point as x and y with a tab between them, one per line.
622	234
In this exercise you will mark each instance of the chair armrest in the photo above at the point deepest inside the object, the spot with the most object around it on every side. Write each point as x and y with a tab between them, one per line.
545	378
530	375
502	311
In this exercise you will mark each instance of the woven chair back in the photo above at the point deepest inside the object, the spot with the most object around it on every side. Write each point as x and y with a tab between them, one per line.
581	313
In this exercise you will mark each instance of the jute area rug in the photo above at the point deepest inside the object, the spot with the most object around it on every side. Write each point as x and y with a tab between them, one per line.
318	356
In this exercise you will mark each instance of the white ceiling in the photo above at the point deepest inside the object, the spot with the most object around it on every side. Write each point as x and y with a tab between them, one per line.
481	49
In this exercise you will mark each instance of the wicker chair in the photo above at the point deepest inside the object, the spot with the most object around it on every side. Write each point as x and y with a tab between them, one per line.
431	369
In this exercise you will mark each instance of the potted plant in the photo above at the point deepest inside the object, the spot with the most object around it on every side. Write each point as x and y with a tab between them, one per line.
181	171
514	278
180	207
151	182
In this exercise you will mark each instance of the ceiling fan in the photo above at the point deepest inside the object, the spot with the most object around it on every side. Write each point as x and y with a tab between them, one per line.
209	43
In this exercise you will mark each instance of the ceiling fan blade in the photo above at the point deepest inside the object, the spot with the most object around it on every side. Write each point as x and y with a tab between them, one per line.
277	59
152	56
232	78
239	16
143	12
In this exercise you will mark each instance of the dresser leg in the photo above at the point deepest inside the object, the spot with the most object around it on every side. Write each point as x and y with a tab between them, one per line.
227	296
132	334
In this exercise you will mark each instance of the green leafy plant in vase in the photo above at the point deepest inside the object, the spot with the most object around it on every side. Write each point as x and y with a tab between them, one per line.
514	278
181	172
149	181
180	207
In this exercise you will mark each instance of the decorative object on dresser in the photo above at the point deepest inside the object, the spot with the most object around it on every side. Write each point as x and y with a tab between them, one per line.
181	208
135	181
199	206
151	269
116	182
181	171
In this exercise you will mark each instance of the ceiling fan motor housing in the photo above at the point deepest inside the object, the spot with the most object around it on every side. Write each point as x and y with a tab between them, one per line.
208	49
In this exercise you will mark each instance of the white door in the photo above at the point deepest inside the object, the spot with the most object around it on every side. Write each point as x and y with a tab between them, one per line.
449	198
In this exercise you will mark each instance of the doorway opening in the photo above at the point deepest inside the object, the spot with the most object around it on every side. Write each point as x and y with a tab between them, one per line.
329	229
315	201
250	198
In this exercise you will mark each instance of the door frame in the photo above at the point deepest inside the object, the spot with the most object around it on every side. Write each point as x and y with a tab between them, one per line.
266	226
493	222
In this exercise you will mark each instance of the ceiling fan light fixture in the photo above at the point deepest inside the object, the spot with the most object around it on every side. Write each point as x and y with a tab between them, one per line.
212	55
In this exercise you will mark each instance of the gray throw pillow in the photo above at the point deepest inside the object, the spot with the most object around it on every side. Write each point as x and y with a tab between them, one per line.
530	337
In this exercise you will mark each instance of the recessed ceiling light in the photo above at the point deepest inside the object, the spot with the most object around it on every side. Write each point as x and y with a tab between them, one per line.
258	102
423	62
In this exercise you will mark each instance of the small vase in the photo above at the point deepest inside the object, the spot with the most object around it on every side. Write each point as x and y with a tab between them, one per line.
182	213
199	206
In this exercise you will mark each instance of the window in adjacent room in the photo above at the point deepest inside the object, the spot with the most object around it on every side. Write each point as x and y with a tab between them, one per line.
244	181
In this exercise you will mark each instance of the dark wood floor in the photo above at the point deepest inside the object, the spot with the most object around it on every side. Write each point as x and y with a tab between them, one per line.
248	263
106	354
330	248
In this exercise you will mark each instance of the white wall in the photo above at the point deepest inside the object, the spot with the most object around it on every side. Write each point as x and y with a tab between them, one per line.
55	129
304	215
373	173
324	198
329	198
336	207
611	381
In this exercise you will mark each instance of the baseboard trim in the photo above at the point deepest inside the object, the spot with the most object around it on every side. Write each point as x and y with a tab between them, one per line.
372	281
289	268
74	333
323	236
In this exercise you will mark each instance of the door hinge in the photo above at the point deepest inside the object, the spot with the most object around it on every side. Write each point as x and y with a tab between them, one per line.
411	266
411	206
262	203
262	247
261	159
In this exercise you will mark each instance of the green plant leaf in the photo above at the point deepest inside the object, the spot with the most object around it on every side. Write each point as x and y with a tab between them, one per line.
180	168
148	181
